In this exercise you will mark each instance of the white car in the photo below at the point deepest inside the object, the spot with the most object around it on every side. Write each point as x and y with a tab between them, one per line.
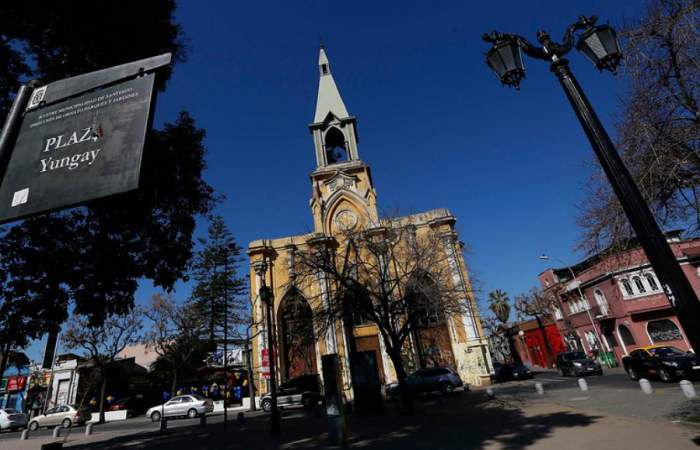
63	415
12	420
191	406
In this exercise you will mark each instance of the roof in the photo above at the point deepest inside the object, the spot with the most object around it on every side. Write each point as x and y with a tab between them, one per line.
328	100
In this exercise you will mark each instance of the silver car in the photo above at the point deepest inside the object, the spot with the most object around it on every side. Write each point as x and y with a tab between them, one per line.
12	420
63	415
191	406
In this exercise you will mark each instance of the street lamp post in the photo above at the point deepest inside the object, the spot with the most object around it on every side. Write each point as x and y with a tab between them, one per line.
266	296
599	44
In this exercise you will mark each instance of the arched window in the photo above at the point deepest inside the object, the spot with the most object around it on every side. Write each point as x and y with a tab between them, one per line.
336	149
626	336
627	287
663	330
639	284
652	282
601	301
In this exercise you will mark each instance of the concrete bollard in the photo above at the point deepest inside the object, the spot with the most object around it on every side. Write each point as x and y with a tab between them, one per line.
88	429
240	419
203	420
539	388
688	389
583	384
646	386
56	432
25	435
490	394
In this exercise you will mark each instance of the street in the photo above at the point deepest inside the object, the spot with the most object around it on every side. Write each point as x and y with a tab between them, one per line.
613	413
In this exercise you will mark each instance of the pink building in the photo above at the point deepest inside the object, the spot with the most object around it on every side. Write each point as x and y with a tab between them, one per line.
623	305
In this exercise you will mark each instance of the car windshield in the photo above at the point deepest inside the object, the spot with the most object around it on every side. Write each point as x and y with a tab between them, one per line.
575	355
666	351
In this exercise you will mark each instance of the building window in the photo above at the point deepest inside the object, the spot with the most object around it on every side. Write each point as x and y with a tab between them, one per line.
557	314
663	330
592	341
627	287
601	301
653	285
626	336
640	286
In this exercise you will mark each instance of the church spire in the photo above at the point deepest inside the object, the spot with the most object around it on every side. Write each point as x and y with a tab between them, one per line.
328	100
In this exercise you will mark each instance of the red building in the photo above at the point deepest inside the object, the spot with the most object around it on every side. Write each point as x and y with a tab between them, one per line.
614	303
536	344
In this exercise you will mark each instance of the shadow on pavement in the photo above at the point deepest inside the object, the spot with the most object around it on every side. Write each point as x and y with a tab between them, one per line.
465	421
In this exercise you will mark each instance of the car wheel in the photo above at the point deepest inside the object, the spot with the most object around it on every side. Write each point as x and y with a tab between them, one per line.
155	416
447	388
33	426
632	374
665	376
192	413
267	405
562	373
308	402
66	423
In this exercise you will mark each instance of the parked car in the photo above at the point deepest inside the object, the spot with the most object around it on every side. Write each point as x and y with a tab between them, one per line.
12	420
304	390
666	362
429	379
577	364
191	406
63	415
507	372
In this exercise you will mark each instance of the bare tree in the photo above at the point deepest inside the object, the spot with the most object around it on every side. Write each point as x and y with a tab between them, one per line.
176	334
535	304
101	345
659	128
396	277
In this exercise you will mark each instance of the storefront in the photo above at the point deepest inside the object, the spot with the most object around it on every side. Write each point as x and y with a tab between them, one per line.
13	392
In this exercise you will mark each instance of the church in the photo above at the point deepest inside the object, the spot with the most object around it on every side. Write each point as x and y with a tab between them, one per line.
343	197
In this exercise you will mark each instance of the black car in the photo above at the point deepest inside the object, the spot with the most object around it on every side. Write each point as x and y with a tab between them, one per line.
507	372
304	390
577	364
430	379
666	362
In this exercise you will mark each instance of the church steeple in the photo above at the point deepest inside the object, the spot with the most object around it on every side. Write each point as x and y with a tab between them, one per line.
334	129
343	195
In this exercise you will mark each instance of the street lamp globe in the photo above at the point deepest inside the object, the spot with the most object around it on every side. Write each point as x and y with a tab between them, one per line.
505	58
600	45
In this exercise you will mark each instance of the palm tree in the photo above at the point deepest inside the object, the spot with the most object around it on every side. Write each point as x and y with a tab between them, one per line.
499	304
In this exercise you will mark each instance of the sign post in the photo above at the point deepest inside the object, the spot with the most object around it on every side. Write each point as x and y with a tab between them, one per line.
76	140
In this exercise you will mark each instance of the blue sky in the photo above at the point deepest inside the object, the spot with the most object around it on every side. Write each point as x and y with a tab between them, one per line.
435	125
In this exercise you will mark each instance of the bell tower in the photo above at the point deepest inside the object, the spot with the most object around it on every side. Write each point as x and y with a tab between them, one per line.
343	194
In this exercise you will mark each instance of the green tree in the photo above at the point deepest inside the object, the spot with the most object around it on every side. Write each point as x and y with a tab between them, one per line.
98	252
499	304
218	290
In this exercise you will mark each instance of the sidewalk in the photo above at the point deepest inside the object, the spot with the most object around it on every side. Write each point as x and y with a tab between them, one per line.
463	422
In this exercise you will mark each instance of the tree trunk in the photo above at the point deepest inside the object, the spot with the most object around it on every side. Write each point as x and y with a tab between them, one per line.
251	382
103	389
174	384
3	362
405	396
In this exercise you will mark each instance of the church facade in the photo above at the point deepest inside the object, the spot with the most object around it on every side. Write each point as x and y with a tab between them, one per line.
343	197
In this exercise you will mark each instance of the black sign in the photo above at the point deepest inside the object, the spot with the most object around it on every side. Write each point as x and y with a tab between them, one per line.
77	150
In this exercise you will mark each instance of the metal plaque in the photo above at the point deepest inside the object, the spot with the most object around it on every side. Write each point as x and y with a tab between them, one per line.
79	149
